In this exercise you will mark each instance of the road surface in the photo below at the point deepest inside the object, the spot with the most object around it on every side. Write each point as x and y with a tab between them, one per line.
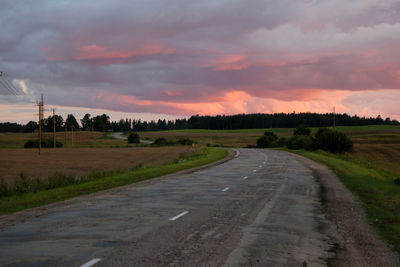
262	208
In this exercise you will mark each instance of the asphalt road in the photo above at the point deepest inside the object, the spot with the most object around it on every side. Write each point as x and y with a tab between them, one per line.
262	208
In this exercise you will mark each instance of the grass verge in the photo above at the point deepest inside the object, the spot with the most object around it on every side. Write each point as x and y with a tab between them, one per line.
112	179
376	188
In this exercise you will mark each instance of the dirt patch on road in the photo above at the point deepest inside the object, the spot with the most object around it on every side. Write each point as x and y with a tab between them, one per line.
82	161
359	244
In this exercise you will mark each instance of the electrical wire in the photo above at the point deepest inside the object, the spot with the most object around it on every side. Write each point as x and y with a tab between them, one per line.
8	81
5	88
7	85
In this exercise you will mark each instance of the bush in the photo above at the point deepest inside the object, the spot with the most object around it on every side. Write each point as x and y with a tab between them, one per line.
46	143
133	138
270	134
302	130
300	142
160	141
264	142
333	141
185	141
282	141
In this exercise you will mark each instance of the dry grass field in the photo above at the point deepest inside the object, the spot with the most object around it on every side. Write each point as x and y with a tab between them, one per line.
384	156
227	139
82	161
80	138
379	146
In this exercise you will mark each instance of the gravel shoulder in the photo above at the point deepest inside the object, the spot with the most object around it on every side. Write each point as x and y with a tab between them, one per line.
359	245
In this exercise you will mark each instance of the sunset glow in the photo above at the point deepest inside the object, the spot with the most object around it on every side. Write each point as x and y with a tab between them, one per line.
215	57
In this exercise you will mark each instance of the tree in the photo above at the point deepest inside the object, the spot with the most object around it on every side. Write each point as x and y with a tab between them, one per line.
87	122
133	138
71	122
101	123
31	126
333	141
302	130
49	123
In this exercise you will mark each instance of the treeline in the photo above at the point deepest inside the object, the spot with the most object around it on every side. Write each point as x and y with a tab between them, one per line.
282	120
221	122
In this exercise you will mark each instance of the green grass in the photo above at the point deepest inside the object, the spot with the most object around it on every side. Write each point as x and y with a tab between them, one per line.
114	179
375	188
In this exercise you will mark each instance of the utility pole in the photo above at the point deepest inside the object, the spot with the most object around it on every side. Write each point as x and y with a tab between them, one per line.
41	109
54	128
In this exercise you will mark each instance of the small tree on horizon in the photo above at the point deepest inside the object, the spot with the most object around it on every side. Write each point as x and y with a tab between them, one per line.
71	122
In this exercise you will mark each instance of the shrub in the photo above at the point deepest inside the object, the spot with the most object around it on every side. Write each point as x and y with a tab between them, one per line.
282	141
160	141
300	142
264	142
185	141
333	141
46	143
302	130
397	181
270	134
133	138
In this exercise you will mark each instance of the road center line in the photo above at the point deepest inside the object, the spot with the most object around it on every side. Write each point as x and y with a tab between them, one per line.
244	178
225	189
91	262
179	215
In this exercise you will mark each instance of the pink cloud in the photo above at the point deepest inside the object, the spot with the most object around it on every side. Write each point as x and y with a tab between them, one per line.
102	55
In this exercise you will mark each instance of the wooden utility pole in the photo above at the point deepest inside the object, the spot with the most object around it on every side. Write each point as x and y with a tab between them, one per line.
41	109
54	128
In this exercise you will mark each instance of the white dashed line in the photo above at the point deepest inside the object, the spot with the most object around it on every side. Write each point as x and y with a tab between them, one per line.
260	166
254	170
244	178
91	263
179	215
225	189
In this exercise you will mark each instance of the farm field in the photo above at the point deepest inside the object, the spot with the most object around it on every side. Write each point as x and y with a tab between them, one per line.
82	161
81	139
378	134
377	145
228	138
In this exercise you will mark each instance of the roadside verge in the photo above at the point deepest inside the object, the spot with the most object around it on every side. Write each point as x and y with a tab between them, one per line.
354	215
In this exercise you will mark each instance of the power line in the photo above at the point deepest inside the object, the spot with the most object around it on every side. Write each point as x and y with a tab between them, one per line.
5	88
11	84
6	84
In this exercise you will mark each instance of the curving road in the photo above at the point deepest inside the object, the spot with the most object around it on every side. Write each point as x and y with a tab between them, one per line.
262	208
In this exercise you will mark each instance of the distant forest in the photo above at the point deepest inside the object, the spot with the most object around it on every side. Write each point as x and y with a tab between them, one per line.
221	122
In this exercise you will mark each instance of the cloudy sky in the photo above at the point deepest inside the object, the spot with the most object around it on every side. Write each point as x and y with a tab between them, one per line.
180	57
